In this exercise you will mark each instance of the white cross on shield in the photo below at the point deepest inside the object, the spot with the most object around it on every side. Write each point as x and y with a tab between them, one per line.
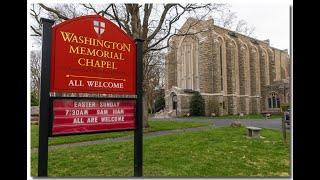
99	27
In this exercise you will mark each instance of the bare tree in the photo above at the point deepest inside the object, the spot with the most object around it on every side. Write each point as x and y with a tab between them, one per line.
155	71
243	27
154	23
229	19
35	63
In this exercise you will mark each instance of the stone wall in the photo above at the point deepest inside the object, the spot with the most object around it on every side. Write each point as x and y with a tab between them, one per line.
234	70
244	82
277	63
232	75
205	65
285	65
171	70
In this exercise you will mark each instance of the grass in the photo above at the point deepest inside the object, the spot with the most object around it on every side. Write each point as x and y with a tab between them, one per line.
154	126
222	151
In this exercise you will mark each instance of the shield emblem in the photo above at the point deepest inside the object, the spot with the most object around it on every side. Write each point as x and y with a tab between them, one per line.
99	27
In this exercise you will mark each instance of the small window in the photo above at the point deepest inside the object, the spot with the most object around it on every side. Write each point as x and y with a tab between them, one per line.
273	101
278	102
269	103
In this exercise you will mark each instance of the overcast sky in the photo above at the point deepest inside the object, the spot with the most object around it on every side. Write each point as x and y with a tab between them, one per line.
271	20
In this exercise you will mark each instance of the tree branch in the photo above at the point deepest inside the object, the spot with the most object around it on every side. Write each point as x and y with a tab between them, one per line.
135	22
176	18
35	15
126	22
178	34
105	11
147	12
163	15
35	31
189	7
116	16
121	23
57	13
91	8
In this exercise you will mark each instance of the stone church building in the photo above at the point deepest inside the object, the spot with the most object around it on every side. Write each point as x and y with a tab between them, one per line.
234	73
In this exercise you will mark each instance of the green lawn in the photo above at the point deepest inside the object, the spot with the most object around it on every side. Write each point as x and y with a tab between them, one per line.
222	151
154	126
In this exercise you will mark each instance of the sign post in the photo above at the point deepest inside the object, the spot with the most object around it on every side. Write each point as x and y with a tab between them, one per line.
44	97
138	141
91	82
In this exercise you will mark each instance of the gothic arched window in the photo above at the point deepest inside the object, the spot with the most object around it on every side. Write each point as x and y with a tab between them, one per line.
273	100
188	75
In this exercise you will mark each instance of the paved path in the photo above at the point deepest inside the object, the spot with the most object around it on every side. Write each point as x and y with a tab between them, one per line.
262	123
125	138
271	123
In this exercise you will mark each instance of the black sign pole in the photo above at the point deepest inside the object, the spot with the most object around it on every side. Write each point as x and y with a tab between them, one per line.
138	132
44	97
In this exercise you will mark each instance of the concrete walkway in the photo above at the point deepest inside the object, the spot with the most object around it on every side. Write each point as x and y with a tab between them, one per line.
125	138
262	123
270	124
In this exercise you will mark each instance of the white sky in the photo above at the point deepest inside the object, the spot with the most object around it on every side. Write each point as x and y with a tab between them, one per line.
271	21
270	18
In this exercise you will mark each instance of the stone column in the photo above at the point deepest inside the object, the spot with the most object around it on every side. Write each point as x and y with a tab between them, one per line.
216	101
216	66
272	70
244	80
264	75
224	102
171	73
254	79
205	64
232	77
284	64
196	67
237	81
264	66
171	66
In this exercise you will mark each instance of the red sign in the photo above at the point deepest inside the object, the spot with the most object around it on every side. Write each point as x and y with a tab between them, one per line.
82	116
90	54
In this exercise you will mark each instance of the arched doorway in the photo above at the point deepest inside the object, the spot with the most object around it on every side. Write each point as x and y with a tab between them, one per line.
174	102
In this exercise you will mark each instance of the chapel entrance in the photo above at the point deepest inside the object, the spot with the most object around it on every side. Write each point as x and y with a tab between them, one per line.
174	102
